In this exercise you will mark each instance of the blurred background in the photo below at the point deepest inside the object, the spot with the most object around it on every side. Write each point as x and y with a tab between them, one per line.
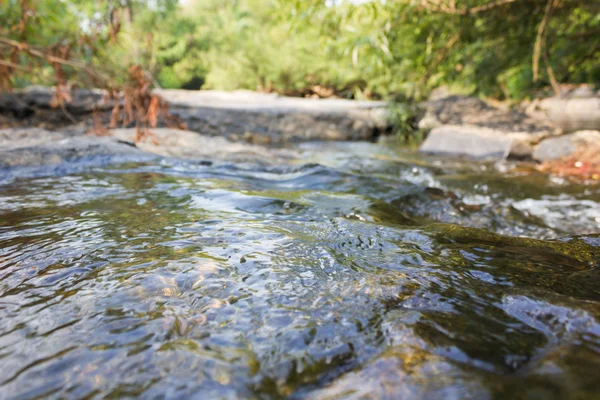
380	49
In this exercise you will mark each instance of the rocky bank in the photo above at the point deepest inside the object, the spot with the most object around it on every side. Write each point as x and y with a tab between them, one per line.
232	126
244	116
28	147
554	130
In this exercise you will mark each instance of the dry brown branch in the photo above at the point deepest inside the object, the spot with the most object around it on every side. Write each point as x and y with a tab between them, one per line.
13	65
98	128
550	71
54	59
67	113
114	116
139	105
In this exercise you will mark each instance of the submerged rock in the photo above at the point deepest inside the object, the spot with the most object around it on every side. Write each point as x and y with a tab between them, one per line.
347	278
38	147
191	145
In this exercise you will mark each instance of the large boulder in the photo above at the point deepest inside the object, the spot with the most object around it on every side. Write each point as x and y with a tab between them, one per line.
469	126
567	146
269	118
462	110
479	142
568	114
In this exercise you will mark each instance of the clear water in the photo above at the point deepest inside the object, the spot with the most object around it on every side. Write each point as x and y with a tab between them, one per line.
359	272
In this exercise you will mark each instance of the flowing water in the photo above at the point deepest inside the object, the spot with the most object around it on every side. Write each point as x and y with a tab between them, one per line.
360	272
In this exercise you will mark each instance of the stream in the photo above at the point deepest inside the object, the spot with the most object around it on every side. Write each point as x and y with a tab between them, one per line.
363	271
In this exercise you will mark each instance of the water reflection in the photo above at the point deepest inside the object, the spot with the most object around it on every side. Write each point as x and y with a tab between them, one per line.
361	274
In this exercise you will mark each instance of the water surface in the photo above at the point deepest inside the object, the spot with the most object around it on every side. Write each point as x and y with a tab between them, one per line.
360	272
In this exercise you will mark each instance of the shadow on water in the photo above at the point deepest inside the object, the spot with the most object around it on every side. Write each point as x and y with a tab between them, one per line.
363	273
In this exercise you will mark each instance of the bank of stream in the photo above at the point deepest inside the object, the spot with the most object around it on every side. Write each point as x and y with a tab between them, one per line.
350	270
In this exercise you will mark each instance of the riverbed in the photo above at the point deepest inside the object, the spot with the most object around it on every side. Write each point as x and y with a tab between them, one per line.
356	270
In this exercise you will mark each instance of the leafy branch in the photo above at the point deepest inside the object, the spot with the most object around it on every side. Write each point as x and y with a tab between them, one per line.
132	102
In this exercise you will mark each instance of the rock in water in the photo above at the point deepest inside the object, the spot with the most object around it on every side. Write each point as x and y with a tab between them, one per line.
569	114
470	111
472	141
556	148
34	147
257	118
261	118
38	147
192	145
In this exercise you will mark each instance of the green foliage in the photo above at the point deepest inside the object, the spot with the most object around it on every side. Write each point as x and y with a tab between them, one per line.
84	35
397	50
404	117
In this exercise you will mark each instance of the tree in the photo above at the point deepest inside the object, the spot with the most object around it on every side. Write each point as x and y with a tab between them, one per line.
78	43
394	49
